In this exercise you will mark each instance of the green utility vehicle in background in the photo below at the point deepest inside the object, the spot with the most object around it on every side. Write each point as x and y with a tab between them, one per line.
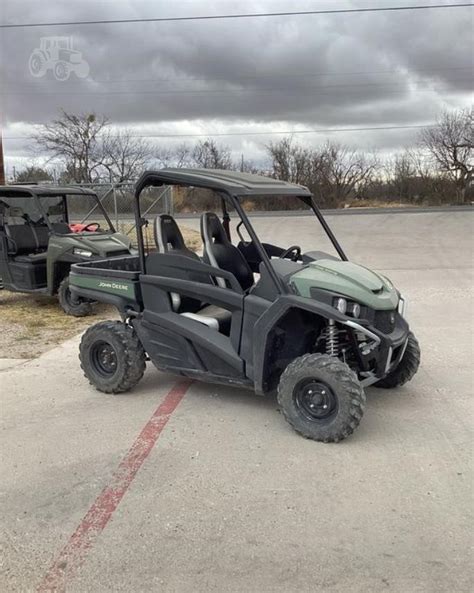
39	240
311	326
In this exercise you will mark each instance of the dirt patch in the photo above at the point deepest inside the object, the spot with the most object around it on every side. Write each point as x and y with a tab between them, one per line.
31	325
365	203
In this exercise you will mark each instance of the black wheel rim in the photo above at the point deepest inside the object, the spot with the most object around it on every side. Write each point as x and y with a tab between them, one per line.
315	400
103	358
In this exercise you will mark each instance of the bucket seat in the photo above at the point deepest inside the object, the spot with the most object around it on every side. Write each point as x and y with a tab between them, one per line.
220	253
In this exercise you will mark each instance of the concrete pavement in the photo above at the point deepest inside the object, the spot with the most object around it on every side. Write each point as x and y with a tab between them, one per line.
230	498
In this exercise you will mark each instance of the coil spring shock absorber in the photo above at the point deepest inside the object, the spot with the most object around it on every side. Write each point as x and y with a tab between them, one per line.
332	339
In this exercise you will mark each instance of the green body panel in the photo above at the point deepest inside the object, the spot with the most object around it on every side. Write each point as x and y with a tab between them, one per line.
61	248
346	278
123	288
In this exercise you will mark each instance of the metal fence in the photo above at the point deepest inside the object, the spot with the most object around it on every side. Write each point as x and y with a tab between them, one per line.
118	201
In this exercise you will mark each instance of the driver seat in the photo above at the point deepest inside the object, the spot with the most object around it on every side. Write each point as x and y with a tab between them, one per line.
220	253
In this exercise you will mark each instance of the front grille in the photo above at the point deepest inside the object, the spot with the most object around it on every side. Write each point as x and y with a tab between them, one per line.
385	321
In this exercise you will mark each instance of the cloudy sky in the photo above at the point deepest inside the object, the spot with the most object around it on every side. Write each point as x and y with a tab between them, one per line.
252	77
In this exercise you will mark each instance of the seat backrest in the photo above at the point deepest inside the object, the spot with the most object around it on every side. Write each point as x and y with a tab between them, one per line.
168	237
61	228
220	253
42	236
22	239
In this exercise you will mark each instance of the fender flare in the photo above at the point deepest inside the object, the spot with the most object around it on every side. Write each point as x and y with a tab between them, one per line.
270	319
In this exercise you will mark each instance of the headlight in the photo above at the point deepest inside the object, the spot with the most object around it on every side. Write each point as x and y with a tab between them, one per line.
354	309
402	306
341	305
82	252
347	307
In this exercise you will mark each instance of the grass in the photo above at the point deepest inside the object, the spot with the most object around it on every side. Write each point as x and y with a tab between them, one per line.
30	324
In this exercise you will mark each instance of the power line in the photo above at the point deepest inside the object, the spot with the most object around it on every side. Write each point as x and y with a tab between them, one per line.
420	72
253	90
270	133
236	16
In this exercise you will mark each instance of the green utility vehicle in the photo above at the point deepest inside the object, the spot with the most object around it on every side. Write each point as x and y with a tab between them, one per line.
39	240
311	326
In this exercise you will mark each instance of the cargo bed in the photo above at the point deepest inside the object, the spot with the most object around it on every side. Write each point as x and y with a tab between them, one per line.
112	280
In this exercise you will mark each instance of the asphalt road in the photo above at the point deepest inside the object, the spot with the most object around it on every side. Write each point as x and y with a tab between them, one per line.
213	491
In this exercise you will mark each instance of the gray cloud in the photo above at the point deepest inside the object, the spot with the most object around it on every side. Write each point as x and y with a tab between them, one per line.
265	74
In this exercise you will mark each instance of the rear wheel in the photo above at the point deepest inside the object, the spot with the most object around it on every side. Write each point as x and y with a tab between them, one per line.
71	305
321	397
407	367
112	357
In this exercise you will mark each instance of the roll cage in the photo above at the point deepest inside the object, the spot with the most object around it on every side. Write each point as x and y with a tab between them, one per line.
232	186
35	192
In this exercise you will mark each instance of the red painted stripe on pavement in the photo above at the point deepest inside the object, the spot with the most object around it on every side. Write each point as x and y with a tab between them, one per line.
75	551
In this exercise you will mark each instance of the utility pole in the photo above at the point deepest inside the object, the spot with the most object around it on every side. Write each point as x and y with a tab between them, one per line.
2	166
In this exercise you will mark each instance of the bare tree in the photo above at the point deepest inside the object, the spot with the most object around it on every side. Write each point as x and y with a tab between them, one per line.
451	146
345	171
74	139
290	162
401	172
124	156
209	155
178	156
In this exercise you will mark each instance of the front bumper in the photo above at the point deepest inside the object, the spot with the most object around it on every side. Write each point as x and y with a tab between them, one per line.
381	352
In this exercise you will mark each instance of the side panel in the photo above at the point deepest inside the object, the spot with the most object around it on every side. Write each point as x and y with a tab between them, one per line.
177	343
254	308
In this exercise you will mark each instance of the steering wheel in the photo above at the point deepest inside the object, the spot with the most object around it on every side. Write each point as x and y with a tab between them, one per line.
294	251
96	226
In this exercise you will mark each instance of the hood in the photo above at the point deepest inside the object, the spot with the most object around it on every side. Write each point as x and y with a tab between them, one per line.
101	244
347	279
105	243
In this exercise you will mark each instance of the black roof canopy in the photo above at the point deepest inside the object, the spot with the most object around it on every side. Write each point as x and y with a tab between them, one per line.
230	182
25	191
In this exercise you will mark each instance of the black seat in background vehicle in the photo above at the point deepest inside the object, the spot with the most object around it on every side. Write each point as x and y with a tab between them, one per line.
61	228
219	251
24	243
29	242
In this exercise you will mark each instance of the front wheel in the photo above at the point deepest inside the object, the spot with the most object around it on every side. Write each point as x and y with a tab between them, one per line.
61	71
71	305
406	368
112	356
321	397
